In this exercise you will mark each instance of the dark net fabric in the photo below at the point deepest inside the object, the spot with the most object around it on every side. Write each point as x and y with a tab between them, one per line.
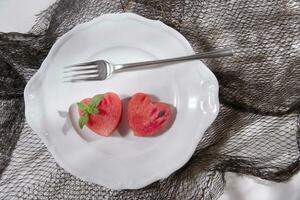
256	132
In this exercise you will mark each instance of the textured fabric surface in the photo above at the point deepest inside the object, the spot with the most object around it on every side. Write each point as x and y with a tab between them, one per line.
256	132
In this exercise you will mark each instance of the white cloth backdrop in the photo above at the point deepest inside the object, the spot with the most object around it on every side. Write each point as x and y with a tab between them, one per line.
19	16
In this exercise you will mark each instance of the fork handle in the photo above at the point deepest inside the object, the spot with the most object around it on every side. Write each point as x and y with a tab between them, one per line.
211	54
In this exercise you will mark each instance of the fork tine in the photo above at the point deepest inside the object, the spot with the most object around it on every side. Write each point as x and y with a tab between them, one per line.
82	74
80	69
82	64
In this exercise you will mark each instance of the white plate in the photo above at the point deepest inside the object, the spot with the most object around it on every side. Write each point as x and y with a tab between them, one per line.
122	161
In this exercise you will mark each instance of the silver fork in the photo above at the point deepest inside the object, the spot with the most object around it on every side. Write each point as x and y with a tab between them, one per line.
102	69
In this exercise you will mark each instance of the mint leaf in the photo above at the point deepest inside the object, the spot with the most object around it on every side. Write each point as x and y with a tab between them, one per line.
89	109
96	100
94	110
83	120
82	106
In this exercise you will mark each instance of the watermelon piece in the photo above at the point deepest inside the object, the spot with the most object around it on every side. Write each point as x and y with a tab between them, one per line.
147	118
108	117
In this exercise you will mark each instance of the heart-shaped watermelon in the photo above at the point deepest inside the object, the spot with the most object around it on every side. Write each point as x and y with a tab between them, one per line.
147	118
101	113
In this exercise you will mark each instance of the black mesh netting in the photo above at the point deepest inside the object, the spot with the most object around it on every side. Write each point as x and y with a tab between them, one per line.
256	132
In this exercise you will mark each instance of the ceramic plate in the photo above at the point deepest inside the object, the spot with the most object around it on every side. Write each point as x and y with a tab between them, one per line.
122	161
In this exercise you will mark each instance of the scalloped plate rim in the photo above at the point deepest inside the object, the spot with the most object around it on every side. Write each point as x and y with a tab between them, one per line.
36	78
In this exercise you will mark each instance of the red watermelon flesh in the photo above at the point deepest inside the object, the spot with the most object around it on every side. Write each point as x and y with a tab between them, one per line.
107	119
147	118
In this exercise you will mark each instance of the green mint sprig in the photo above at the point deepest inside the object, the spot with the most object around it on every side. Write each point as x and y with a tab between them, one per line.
90	108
